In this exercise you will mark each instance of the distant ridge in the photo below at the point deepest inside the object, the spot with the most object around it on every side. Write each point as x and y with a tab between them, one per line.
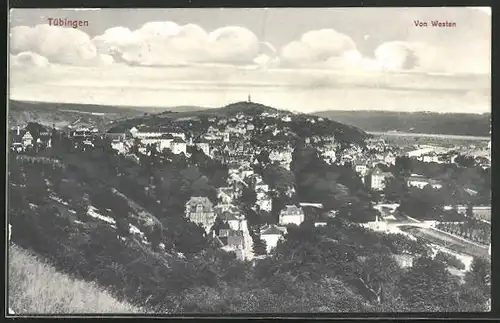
466	124
98	108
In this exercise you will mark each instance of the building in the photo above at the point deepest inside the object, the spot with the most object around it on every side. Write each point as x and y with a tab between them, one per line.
27	139
178	146
204	146
265	204
272	234
291	214
420	181
378	178
361	168
200	211
225	195
82	133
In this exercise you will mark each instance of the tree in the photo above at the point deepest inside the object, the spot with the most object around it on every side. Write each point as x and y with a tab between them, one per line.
259	246
479	275
122	227
378	273
81	206
248	198
395	189
465	161
155	236
403	165
428	285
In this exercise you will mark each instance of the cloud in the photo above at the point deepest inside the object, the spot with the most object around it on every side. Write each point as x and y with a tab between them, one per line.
57	44
28	59
167	43
399	55
316	47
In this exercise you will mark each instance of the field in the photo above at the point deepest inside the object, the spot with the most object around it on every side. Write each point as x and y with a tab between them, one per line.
35	287
447	241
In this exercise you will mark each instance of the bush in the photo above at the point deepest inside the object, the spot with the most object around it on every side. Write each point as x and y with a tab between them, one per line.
450	260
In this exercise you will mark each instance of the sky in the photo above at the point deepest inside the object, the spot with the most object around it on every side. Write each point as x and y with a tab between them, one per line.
298	59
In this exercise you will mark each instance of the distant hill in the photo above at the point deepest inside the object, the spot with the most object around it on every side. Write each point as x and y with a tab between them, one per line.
299	122
63	114
416	122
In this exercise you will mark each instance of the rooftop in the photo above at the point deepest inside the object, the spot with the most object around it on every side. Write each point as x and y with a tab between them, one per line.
272	229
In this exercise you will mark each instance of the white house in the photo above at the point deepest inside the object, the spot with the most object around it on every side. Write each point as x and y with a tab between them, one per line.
27	139
178	146
291	214
272	234
378	178
361	168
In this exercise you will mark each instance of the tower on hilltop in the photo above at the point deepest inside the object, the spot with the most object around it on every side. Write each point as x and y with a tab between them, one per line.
249	98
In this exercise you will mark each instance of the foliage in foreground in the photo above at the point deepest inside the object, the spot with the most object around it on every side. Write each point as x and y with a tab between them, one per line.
37	288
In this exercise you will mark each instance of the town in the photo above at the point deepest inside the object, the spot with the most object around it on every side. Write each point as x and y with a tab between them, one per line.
257	146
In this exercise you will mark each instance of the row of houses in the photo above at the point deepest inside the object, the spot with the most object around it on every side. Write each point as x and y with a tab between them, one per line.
235	235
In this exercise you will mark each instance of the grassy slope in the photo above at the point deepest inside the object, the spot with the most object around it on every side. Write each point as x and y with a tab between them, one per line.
37	288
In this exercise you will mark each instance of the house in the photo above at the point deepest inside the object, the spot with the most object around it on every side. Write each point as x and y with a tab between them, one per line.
234	219
200	211
291	214
420	181
178	146
261	186
360	168
246	172
82	133
272	234
265	204
390	159
378	178
27	139
120	136
204	146
431	157
225	194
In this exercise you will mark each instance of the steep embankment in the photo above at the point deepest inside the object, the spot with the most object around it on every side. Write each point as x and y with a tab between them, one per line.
37	288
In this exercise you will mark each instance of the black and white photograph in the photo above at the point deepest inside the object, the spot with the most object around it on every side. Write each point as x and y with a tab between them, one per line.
225	161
